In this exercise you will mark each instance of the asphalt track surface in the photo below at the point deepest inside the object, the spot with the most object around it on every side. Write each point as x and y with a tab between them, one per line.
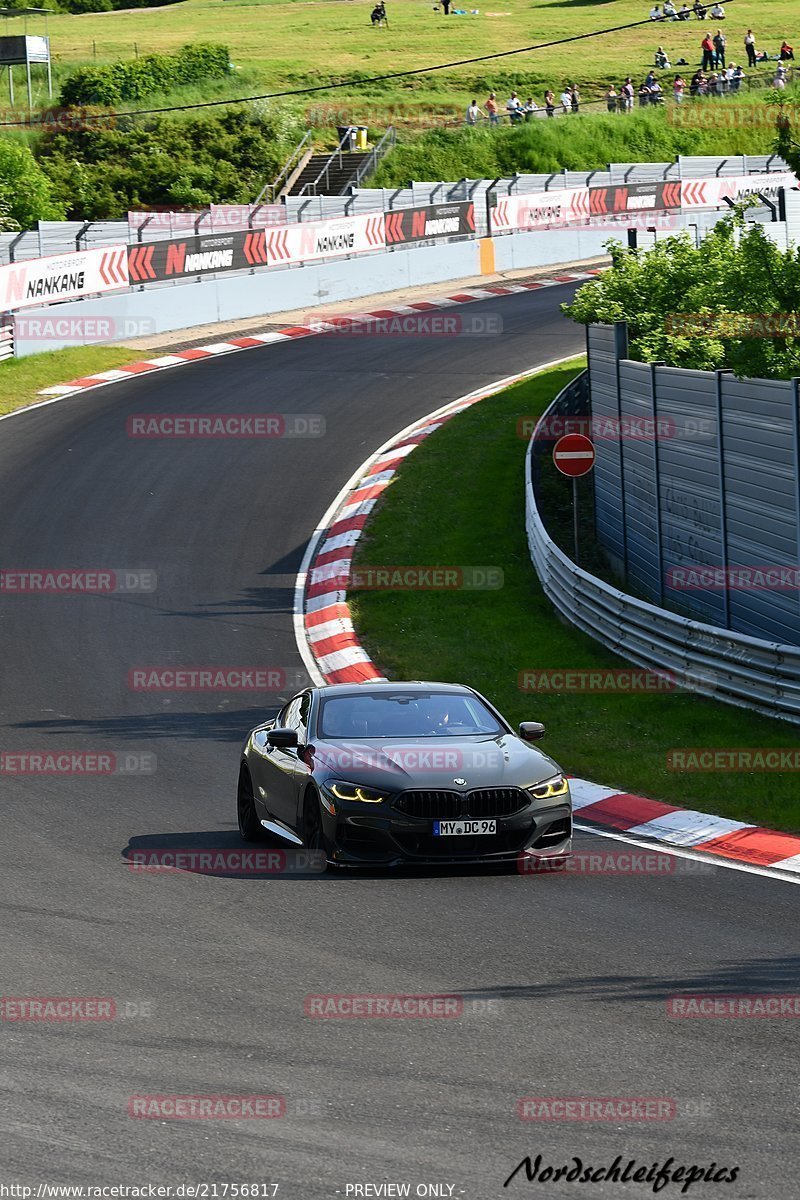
564	978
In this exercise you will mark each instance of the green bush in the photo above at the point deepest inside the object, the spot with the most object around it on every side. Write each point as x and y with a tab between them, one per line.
682	302
102	170
135	79
26	192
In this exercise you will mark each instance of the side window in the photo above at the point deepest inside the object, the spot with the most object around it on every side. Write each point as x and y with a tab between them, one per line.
295	715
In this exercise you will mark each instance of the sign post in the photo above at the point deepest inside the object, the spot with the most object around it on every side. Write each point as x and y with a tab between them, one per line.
574	455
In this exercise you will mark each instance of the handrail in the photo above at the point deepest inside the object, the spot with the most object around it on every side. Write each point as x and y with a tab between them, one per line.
311	187
366	168
370	165
271	190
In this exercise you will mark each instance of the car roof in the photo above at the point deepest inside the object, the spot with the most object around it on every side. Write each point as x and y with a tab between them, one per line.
390	687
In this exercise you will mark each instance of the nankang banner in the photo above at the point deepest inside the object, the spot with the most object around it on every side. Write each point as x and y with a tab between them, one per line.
204	255
309	240
429	222
63	277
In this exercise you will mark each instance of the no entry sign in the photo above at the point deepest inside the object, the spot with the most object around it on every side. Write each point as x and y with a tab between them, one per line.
574	455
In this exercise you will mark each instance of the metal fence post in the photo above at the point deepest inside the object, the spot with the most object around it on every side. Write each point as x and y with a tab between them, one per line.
796	438
620	352
723	520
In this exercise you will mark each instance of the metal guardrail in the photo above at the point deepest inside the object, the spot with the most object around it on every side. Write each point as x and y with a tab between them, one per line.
732	667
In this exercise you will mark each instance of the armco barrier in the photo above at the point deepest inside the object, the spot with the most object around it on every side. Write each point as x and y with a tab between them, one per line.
740	670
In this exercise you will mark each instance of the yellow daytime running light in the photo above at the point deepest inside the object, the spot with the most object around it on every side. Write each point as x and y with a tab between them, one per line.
557	786
349	791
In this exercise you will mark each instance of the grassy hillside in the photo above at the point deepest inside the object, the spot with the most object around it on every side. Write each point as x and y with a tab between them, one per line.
281	44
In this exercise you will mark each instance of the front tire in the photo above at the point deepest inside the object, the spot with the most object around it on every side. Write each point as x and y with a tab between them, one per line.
250	828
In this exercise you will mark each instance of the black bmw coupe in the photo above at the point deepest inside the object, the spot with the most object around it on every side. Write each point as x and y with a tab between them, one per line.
389	773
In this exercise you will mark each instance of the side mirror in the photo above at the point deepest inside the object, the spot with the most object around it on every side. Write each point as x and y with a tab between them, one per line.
531	731
284	739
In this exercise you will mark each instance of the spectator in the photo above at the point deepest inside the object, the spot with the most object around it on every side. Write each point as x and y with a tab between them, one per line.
670	10
612	97
707	46
656	93
678	88
684	12
780	76
718	12
491	109
378	14
644	96
720	42
737	77
698	10
473	112
787	52
446	7
529	108
549	102
695	86
566	101
650	80
513	107
721	83
655	13
575	97
750	47
661	59
627	94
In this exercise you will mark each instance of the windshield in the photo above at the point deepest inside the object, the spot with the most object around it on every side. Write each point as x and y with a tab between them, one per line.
406	715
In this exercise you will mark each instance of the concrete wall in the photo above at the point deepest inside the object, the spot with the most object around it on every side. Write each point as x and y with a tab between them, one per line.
258	294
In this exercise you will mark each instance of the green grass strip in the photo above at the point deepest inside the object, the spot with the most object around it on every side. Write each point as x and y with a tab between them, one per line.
21	379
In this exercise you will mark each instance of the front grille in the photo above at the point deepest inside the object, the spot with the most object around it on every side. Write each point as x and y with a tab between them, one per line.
480	803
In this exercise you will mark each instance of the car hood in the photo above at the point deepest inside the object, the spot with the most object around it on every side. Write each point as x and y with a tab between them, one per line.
433	762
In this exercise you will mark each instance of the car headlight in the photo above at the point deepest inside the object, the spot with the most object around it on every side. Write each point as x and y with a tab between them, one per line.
354	791
557	786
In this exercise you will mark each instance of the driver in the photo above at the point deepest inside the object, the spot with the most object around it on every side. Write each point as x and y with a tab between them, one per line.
436	712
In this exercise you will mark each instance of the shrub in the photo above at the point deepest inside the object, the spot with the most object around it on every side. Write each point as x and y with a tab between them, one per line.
135	79
735	270
26	192
102	171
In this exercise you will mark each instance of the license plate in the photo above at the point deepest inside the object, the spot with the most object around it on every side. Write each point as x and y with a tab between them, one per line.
463	828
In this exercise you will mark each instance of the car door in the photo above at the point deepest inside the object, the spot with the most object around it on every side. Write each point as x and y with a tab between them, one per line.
283	767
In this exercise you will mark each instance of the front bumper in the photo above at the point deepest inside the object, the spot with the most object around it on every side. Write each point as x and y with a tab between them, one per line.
386	837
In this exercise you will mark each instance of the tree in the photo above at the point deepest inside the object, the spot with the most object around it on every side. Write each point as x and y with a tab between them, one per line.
733	301
25	191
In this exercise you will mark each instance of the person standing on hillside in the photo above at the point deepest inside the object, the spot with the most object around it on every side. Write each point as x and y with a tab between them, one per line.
491	109
707	46
720	42
514	109
575	97
473	112
611	99
750	47
550	102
